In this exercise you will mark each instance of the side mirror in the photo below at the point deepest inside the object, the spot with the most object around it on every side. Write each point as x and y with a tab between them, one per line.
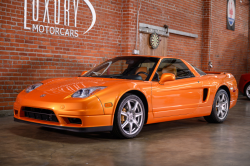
166	77
84	72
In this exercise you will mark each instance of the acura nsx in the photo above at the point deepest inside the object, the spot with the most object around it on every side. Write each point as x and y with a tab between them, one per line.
123	94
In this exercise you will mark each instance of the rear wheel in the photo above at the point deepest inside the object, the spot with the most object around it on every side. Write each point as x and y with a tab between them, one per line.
129	117
247	91
220	108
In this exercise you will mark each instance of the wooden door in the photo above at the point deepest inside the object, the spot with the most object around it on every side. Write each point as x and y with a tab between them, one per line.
145	48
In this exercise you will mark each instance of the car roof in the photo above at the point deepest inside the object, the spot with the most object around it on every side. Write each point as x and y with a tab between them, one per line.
161	57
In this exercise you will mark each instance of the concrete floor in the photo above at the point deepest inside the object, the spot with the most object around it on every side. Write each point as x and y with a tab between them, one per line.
185	142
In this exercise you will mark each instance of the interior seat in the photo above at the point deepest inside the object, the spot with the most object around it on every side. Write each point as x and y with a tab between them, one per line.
142	69
170	69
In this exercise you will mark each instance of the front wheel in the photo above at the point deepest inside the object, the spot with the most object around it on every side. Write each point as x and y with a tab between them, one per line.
129	117
220	108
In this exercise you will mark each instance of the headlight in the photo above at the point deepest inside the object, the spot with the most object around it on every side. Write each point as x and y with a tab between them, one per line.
32	87
86	92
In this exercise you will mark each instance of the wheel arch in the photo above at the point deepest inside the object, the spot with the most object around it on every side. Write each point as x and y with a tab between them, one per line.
224	87
141	96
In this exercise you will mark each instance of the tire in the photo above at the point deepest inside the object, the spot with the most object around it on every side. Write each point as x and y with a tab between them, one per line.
129	117
220	108
247	90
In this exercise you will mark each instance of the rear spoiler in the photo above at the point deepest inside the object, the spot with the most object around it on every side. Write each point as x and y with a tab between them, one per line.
214	72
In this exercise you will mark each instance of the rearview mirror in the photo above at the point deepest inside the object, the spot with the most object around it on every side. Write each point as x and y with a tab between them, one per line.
84	72
166	77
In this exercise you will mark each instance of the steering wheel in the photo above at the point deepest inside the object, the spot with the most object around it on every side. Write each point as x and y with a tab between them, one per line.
142	72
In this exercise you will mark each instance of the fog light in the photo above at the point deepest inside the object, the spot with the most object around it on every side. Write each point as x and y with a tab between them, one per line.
15	112
75	120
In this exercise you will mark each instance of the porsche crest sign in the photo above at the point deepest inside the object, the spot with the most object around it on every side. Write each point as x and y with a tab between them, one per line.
231	10
67	30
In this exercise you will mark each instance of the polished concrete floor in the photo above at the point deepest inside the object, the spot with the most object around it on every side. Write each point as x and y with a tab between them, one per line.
185	142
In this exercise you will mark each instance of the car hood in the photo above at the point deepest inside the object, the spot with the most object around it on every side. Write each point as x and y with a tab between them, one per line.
71	85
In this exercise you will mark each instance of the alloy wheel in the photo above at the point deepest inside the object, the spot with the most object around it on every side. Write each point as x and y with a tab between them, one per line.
222	106
248	91
131	117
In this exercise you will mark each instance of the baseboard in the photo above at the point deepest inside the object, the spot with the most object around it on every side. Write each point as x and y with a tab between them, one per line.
5	113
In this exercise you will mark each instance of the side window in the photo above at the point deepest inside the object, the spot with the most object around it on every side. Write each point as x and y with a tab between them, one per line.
202	73
174	66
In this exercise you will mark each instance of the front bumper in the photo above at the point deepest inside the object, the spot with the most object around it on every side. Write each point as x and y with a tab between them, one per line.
74	129
89	110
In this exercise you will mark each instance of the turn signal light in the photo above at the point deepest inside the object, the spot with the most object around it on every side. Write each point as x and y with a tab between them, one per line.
108	104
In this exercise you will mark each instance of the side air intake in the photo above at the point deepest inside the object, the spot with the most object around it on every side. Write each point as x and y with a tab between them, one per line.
205	94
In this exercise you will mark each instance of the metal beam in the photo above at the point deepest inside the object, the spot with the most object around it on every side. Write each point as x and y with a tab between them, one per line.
183	33
146	28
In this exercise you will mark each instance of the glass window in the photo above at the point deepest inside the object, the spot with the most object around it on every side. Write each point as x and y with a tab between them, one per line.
202	73
130	67
174	66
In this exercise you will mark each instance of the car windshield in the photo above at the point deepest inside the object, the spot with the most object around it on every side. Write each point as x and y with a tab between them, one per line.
129	67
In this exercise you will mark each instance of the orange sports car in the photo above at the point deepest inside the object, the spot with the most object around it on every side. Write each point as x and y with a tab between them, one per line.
124	93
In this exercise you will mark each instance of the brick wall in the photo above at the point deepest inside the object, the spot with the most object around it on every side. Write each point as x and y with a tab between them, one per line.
182	15
229	51
27	57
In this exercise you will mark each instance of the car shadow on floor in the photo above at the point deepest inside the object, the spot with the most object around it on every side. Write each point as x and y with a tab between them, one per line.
244	98
54	135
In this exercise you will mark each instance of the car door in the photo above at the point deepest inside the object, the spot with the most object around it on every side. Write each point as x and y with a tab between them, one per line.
179	97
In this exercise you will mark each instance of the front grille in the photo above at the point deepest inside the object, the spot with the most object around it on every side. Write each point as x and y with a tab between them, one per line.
41	114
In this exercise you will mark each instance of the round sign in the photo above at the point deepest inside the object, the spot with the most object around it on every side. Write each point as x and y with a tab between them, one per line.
231	12
154	40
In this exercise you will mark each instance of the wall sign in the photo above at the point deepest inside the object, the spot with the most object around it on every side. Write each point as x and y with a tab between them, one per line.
231	10
53	30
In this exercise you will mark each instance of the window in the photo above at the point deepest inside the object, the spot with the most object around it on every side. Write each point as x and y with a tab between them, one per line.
202	73
174	66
